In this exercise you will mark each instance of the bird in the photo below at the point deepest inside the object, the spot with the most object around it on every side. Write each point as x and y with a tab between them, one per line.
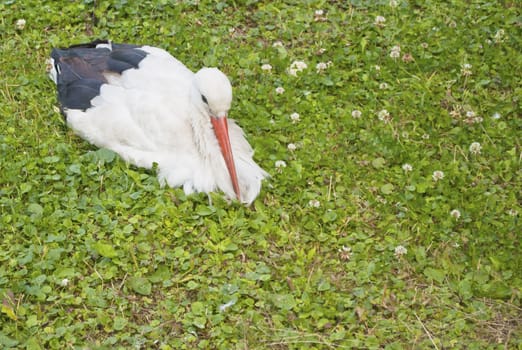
148	107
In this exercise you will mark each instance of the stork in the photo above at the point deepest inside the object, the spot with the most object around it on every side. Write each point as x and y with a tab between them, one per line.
148	107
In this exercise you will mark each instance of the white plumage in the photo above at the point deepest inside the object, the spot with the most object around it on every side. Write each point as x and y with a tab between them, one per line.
157	111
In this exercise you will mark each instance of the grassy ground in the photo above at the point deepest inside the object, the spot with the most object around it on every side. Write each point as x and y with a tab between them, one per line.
392	218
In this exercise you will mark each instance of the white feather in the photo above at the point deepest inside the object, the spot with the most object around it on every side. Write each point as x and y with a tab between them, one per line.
51	70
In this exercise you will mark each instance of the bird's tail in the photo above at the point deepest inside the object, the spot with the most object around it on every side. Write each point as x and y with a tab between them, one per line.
50	68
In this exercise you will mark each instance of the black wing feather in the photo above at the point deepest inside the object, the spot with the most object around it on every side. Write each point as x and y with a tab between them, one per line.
80	70
78	94
123	59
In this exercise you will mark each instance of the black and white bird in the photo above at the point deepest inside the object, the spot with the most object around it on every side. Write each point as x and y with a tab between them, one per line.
148	107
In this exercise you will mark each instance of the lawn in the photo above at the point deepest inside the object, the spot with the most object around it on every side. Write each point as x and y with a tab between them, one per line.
391	130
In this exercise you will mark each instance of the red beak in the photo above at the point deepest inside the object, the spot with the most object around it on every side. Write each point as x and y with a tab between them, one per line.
221	130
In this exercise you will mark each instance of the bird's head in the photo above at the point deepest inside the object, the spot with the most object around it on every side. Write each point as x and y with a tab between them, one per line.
216	97
215	90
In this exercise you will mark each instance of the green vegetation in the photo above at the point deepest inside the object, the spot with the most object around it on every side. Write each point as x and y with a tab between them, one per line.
391	221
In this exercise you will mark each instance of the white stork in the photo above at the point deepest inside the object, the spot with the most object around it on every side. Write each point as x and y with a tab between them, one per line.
145	105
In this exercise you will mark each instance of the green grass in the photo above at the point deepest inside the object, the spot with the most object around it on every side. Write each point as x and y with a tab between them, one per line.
94	254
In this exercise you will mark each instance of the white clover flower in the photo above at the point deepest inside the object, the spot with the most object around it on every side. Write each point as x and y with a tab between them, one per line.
437	175
291	147
384	115
279	90
383	86
266	67
356	113
499	36
296	67
299	65
475	148
455	213
394	3
379	21
64	282
346	252
407	167
512	212
496	115
377	68
395	52
425	136
473	118
295	117
277	44
280	164
20	24
319	15
400	251
465	69
314	203
321	66
424	45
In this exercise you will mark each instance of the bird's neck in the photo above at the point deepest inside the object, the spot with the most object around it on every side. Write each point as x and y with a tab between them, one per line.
204	137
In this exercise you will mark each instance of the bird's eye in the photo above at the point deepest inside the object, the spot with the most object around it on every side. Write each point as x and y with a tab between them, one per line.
204	99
